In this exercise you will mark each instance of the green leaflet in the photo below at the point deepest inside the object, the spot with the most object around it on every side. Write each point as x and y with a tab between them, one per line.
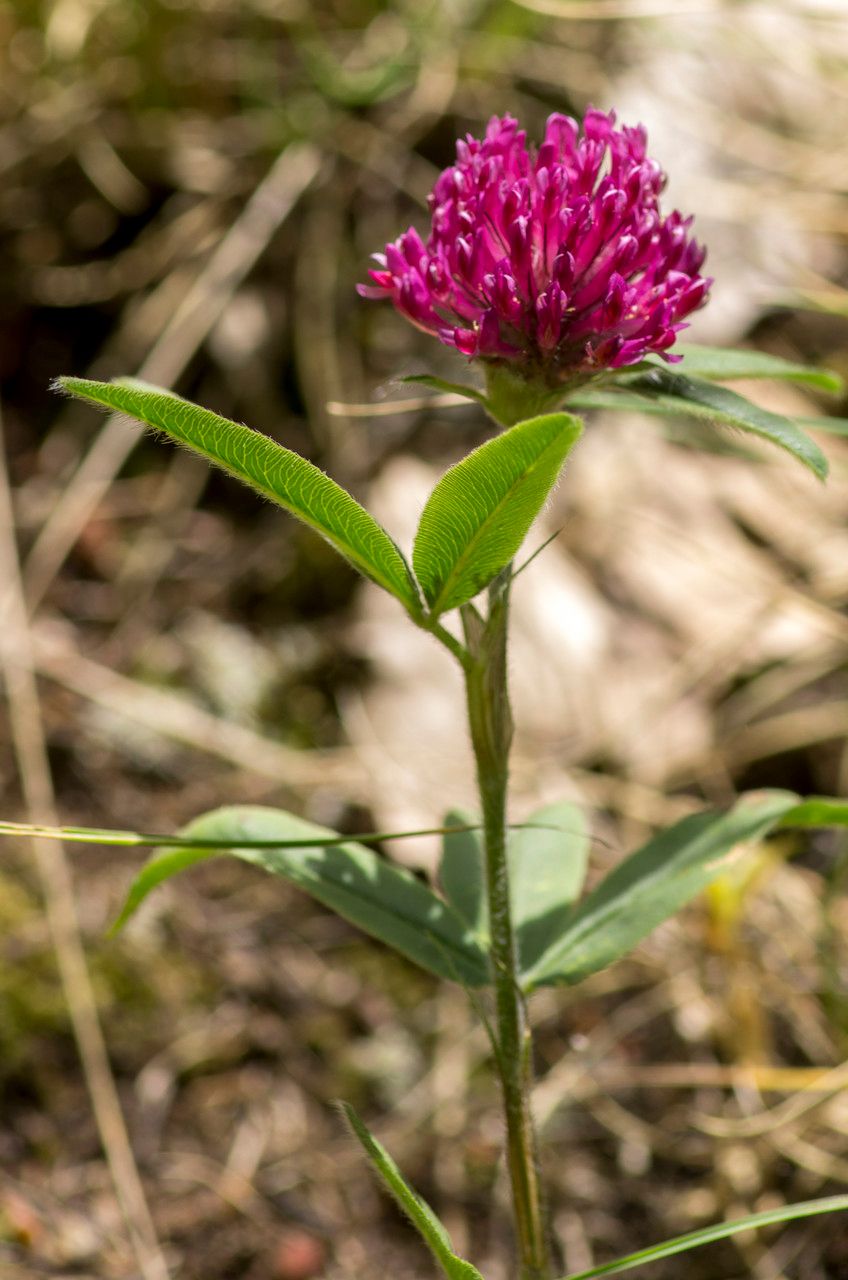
631	402
547	867
817	811
546	858
833	426
480	511
652	884
284	477
414	1206
667	394
462	871
385	901
723	364
719	1231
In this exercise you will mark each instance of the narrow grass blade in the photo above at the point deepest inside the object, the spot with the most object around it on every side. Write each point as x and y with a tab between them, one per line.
150	839
413	1205
480	511
281	475
708	1235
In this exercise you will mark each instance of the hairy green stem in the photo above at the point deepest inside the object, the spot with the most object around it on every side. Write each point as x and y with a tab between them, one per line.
490	722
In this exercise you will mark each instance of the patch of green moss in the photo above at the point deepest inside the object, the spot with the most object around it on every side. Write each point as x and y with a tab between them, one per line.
135	990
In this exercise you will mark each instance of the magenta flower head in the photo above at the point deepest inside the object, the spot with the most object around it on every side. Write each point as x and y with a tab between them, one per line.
556	261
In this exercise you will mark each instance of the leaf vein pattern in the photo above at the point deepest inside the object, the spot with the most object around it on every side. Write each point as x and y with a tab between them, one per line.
278	473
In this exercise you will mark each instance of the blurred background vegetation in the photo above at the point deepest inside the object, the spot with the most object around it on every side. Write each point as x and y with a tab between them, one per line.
190	191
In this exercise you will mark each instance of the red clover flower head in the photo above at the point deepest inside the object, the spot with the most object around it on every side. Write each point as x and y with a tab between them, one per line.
556	261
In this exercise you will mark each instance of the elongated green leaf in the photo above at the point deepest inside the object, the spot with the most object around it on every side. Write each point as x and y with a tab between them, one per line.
413	1205
833	426
612	398
652	884
724	406
479	513
608	398
670	393
621	401
462	872
385	901
722	364
817	811
546	858
708	1235
284	477
547	867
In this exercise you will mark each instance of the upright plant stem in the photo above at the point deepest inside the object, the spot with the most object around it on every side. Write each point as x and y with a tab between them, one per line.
490	722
